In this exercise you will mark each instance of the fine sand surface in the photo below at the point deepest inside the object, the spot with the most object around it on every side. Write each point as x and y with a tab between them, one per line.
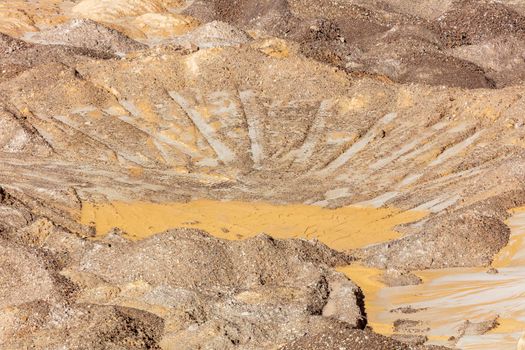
341	229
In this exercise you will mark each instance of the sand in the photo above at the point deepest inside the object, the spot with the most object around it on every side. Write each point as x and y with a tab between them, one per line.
450	297
342	229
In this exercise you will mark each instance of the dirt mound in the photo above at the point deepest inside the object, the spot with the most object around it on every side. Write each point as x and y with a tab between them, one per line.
245	11
356	39
29	275
340	336
371	38
477	232
439	69
213	34
48	326
87	34
427	9
501	58
355	36
268	15
473	21
18	56
205	291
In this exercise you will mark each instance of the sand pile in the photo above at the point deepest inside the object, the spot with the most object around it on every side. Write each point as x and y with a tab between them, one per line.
213	34
268	15
87	34
359	37
250	293
470	22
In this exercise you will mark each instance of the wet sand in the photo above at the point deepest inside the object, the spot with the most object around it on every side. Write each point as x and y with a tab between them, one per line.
342	229
449	297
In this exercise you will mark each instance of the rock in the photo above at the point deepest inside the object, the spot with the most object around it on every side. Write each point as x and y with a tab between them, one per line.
342	300
492	271
396	278
414	339
407	310
339	336
477	328
409	326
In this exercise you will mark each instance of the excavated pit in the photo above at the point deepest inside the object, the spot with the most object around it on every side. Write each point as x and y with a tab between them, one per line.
259	163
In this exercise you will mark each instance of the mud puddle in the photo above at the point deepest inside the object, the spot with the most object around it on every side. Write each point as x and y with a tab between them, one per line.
448	298
343	228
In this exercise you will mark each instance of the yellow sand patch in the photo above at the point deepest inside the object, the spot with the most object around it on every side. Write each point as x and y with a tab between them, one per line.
108	10
136	171
508	325
164	25
507	256
405	99
356	103
273	47
504	257
342	229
